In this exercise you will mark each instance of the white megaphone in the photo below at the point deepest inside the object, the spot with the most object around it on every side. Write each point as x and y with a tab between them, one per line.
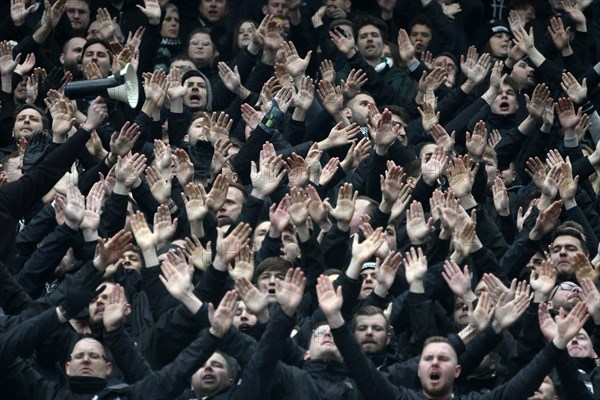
122	86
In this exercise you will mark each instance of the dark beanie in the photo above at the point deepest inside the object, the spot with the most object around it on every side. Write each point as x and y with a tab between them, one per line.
488	30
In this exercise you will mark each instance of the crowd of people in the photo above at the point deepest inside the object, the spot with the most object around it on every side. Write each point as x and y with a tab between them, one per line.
330	199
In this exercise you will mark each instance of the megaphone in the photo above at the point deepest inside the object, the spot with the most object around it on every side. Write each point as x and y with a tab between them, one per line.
122	86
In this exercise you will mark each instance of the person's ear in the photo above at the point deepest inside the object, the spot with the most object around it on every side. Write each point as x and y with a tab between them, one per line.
68	368
306	356
457	371
347	112
389	339
62	58
264	9
128	310
108	368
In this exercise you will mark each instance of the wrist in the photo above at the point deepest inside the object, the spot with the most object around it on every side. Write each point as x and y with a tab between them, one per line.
497	327
336	320
559	342
112	327
381	150
258	194
569	203
121	188
539	297
386	206
468	201
72	224
90	235
343	226
417	286
380	290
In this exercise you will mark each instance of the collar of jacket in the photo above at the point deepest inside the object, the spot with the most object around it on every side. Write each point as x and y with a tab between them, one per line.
502	121
382	359
330	368
86	384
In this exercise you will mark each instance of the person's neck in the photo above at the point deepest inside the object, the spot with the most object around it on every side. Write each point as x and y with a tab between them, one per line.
445	396
118	4
373	62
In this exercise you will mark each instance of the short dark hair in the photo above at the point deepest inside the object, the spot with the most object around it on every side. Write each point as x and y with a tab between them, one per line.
275	264
397	110
26	106
98	41
369	311
572	228
420	19
439	339
364	20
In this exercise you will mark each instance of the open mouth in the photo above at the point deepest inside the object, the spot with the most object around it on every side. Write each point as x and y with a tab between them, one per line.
434	377
209	378
504	106
244	327
271	291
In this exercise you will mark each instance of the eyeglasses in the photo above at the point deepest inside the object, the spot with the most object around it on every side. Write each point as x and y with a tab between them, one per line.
195	42
91	354
322	331
566	286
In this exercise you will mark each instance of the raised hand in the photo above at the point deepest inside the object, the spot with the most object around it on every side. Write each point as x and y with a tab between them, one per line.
497	288
546	221
458	281
97	113
18	11
583	268
566	113
536	105
480	318
591	298
330	301
164	228
144	237
405	47
441	137
386	272
244	264
460	175
509	312
568	326
415	266
560	36
351	87
429	117
339	136
116	309
577	92
93	208
477	141
327	71
344	44
297	171
265	181
199	256
344	208
331	97
73	206
221	319
62	118
364	251
159	186
110	251
129	169
417	227
255	301
543	280
290	291
218	193
178	282
195	202
229	247
294	65
151	10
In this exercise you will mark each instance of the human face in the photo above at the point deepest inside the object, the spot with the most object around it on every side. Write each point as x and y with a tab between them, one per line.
131	260
420	36
337	8
245	33
71	58
201	49
347	30
98	304
449	66
183	65
390	237
259	234
536	261
98	54
522	74
21	91
289	246
267	284
276	8
370	43
437	370
243	319
371	334
232	207
527	12
461	312
566	295
322	346
170	25
88	359
196	94
499	44
562	251
198	129
427	151
212	377
491	170
27	122
369	281
93	31
402	137
506	101
545	391
78	12
213	10
359	107
581	346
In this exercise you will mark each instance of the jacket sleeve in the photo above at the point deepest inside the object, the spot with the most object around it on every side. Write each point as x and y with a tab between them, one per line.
172	379
126	355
